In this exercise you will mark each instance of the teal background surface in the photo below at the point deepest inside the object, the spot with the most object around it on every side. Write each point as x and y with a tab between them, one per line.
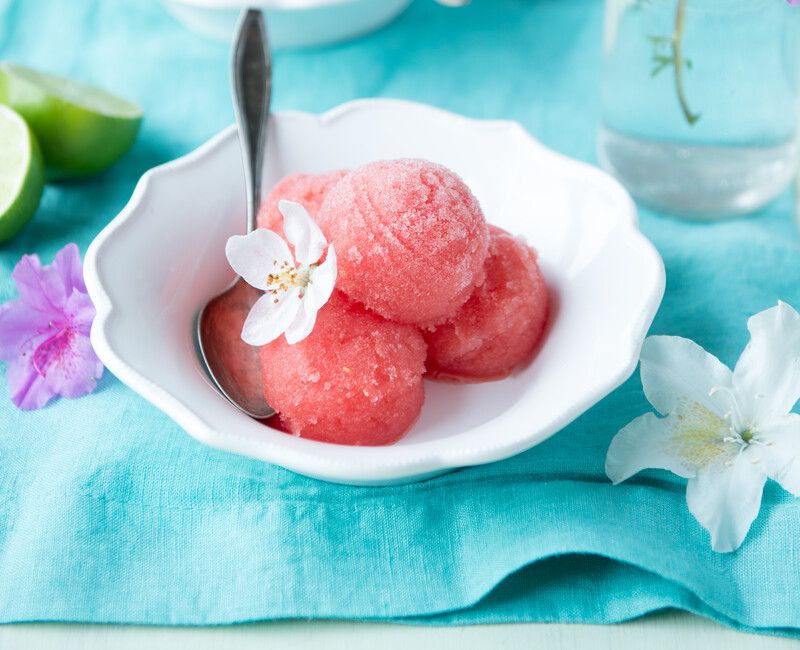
110	513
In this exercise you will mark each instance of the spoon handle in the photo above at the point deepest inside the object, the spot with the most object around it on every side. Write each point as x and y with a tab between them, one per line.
251	72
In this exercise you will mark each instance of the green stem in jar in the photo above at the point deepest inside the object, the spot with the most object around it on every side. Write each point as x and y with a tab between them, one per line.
678	62
668	51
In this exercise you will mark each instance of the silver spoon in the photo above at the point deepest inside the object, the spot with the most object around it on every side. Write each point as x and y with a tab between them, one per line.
233	364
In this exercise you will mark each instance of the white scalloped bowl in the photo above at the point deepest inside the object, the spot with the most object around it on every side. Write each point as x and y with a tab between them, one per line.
163	257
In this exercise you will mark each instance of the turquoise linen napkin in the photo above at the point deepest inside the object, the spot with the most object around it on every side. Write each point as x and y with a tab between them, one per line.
110	513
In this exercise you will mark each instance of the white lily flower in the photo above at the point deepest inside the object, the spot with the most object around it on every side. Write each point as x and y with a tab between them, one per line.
295	287
727	432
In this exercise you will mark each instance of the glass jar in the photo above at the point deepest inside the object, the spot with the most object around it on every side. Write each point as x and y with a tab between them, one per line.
700	102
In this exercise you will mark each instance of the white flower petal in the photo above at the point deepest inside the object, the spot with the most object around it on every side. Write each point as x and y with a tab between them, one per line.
767	375
252	255
323	280
267	319
675	370
303	232
302	324
781	451
725	499
643	444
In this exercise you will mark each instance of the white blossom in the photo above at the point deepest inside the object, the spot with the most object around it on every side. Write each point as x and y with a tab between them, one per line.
295	286
726	431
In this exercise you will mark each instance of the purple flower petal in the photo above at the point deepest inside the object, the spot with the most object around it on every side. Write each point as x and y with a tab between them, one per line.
68	363
20	326
80	312
39	287
28	388
68	266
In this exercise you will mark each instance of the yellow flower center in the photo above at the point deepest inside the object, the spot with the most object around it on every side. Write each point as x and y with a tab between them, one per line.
702	437
285	277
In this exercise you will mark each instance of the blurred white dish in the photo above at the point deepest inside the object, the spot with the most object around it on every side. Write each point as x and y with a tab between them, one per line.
291	23
153	266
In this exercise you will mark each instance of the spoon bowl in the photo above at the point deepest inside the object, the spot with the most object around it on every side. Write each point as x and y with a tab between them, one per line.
233	364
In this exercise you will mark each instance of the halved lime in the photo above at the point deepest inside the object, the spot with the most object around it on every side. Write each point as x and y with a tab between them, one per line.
21	173
81	129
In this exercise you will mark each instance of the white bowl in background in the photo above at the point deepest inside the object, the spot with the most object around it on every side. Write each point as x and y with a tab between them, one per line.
155	264
290	23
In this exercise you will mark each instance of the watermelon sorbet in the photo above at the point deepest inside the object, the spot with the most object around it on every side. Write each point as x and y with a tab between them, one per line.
500	325
411	239
423	286
355	380
309	190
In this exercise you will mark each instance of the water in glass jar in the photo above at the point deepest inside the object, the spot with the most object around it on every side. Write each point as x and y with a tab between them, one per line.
700	102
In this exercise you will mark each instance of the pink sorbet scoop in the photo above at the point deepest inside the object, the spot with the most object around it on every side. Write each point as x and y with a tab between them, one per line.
410	238
499	326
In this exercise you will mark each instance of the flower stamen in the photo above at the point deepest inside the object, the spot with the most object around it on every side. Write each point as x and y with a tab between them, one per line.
733	416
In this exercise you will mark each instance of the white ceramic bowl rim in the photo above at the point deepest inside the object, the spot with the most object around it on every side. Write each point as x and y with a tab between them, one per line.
375	464
284	5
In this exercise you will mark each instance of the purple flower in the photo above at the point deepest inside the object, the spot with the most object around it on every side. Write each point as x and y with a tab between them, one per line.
44	335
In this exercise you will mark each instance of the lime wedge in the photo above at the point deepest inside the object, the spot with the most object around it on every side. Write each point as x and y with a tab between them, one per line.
21	173
82	130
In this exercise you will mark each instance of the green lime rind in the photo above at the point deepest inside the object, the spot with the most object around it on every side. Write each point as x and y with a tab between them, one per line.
82	130
21	174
